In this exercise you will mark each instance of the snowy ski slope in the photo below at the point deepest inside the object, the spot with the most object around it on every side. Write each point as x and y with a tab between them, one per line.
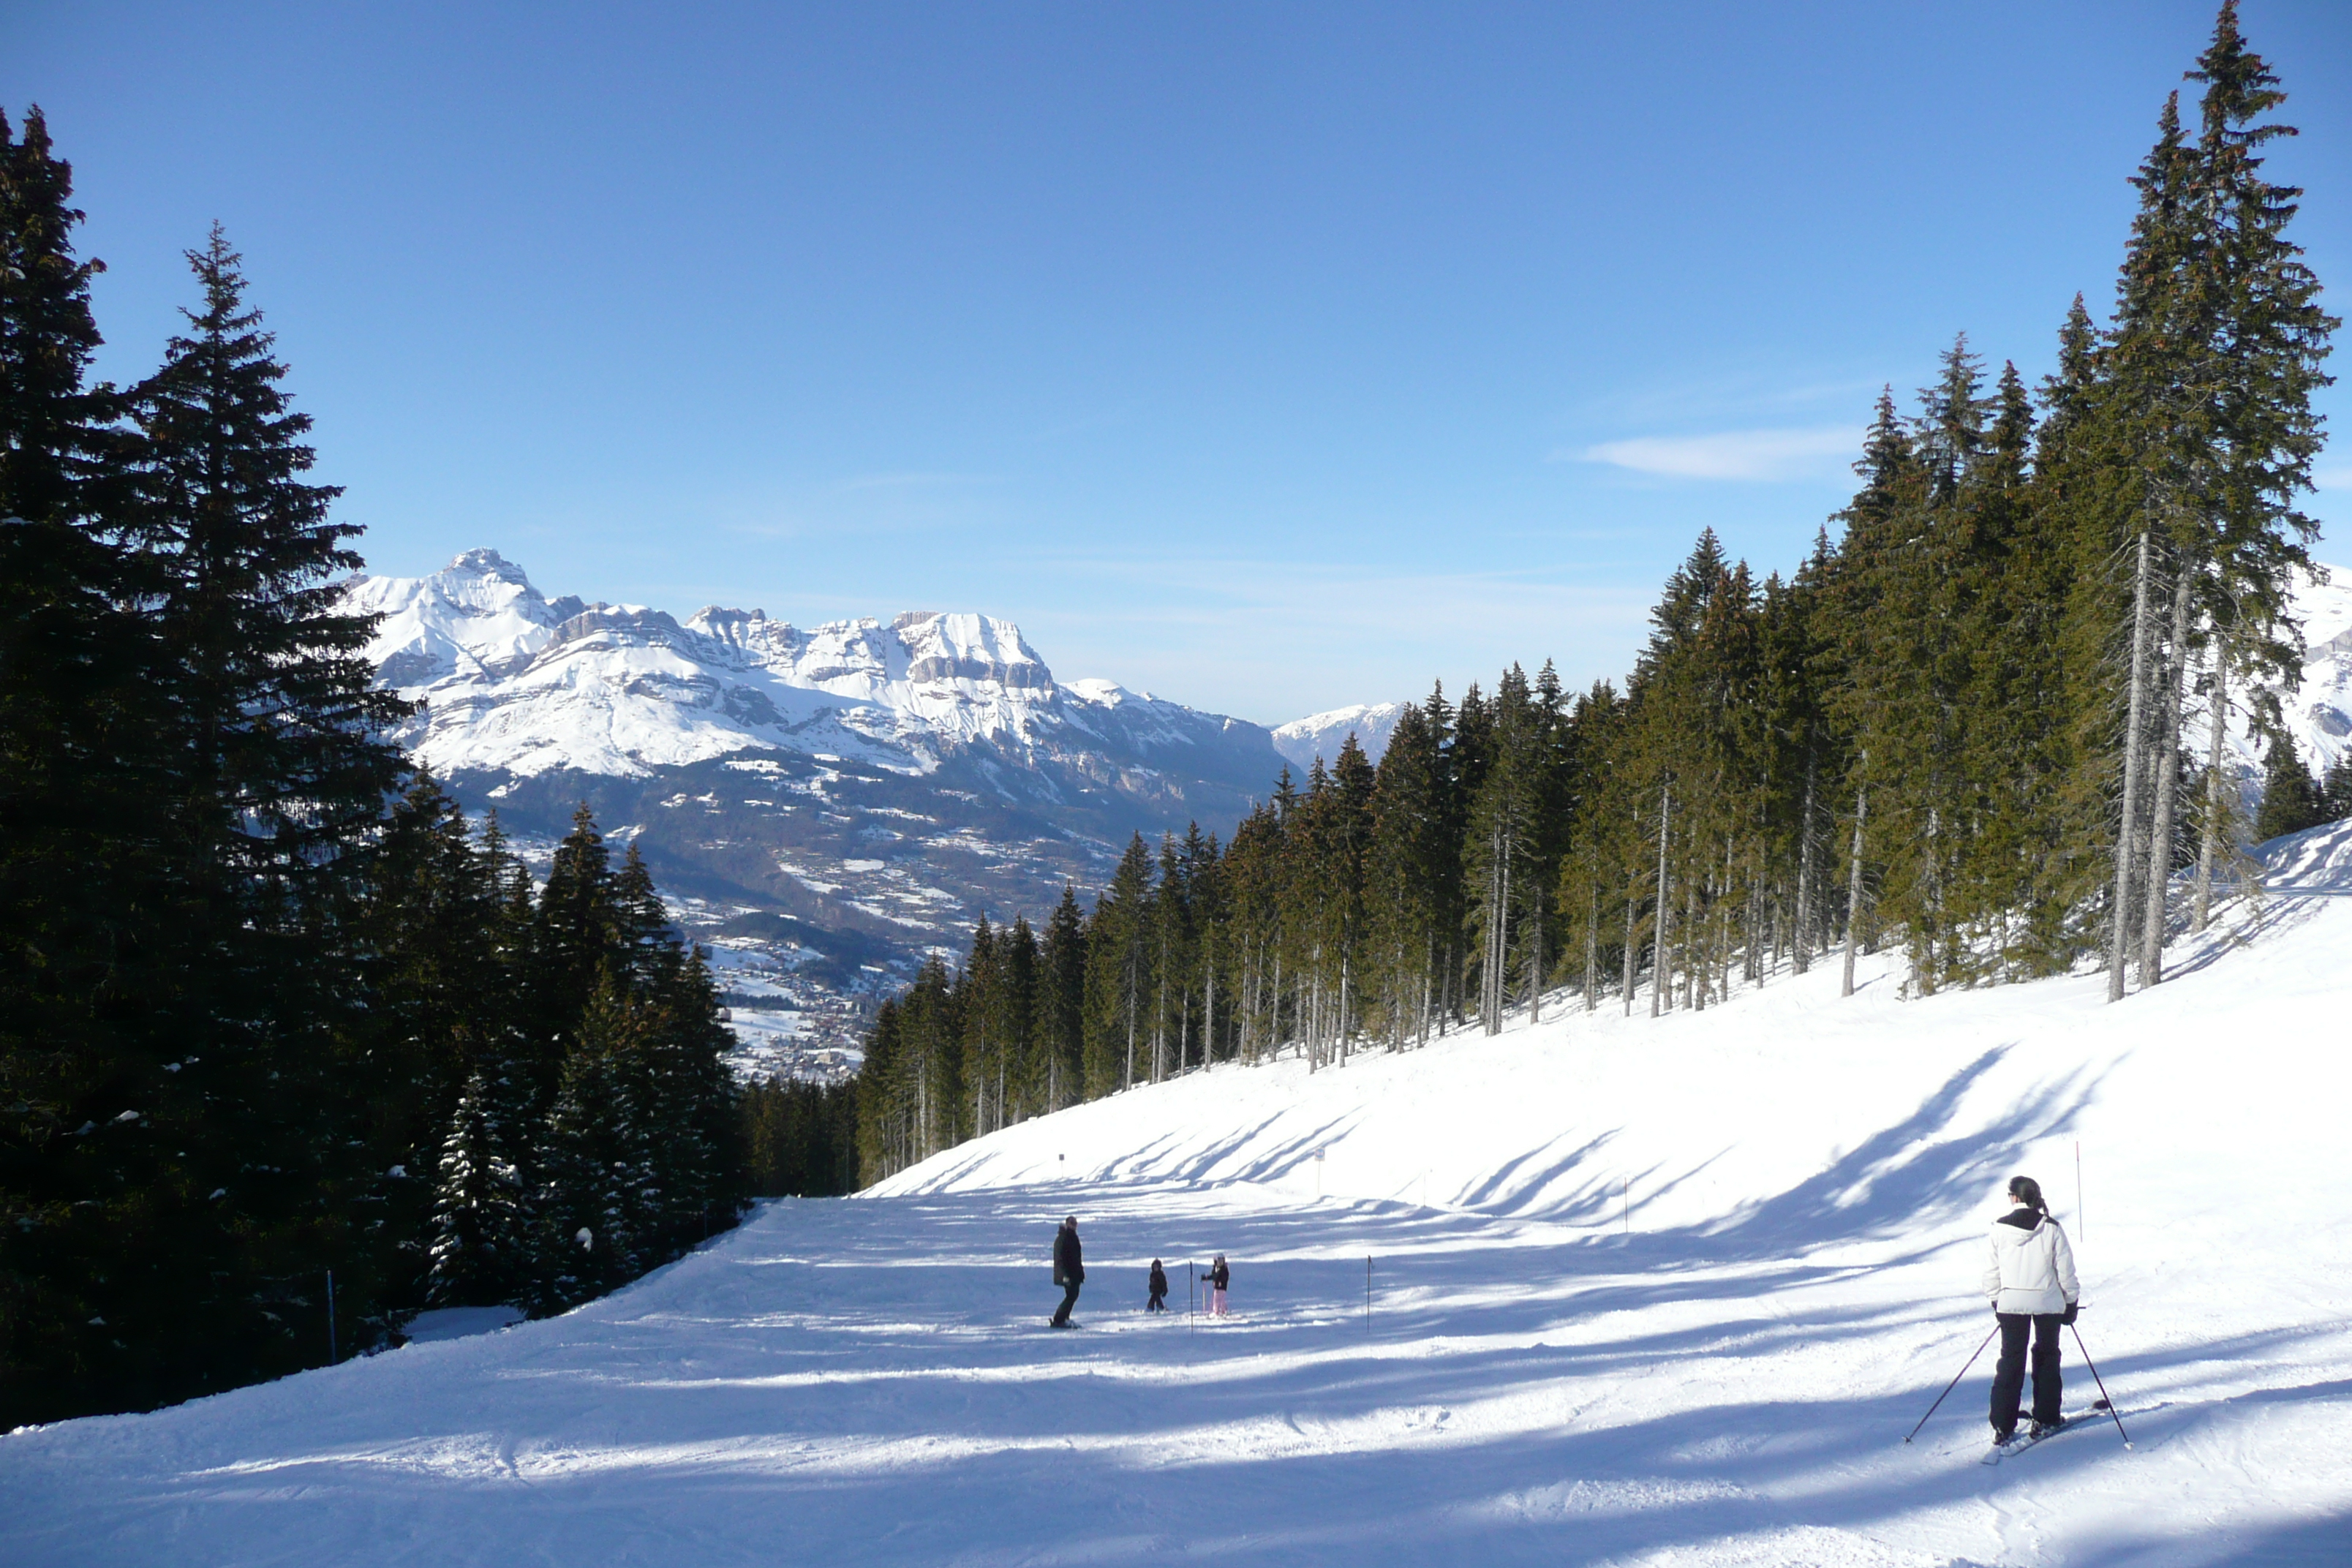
1641	1292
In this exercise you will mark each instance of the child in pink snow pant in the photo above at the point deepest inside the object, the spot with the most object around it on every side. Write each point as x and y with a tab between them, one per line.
1219	1277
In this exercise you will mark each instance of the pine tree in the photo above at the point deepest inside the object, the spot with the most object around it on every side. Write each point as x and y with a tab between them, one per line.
601	1203
2335	791
272	733
2290	799
2206	411
86	909
1118	975
481	1239
1404	879
1060	1026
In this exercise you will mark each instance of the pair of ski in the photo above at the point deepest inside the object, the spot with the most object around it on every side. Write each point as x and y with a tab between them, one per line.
2021	1442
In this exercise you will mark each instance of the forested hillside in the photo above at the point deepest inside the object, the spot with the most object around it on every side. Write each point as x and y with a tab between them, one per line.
1983	721
288	1050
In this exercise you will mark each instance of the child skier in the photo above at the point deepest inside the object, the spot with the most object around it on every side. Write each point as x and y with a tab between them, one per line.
2030	1279
1219	1277
1159	1302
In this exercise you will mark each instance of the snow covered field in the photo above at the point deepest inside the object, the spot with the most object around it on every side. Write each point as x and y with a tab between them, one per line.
1656	1293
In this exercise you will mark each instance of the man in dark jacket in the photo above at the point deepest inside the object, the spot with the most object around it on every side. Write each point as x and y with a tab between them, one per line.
1069	1268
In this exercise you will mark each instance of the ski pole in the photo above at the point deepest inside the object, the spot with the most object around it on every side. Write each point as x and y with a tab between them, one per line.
1956	1380
2102	1382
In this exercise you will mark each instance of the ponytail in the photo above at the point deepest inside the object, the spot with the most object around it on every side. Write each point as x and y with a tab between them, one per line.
2026	1191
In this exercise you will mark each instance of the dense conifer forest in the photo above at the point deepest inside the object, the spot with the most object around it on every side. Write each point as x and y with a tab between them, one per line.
272	1013
1982	721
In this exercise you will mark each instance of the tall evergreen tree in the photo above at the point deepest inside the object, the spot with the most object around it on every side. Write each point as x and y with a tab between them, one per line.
1060	1026
480	1241
85	904
2292	800
1118	975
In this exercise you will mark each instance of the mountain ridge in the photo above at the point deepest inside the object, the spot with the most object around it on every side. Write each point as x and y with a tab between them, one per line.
824	806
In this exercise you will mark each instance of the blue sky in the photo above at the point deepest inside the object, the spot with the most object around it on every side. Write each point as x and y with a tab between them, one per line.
1267	357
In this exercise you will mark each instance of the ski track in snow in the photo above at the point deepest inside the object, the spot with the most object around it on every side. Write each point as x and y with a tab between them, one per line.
1648	1294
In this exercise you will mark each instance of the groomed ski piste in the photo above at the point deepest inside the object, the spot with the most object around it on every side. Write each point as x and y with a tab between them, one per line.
1641	1292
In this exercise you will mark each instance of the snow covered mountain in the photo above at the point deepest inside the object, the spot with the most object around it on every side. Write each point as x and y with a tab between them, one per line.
2319	714
1323	734
516	682
824	804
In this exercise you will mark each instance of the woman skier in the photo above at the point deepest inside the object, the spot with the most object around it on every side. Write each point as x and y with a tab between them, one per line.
1219	1277
2030	1279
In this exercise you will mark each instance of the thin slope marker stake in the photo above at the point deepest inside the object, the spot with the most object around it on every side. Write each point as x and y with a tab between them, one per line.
1368	1295
332	1357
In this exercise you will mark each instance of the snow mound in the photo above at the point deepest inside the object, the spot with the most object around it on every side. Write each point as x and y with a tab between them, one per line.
443	1324
1599	1291
2318	860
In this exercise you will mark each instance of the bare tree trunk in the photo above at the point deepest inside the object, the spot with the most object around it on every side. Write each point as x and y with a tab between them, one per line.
2208	842
1339	1033
2119	936
1428	973
1728	930
1273	1017
1310	1008
1534	963
1854	887
1631	956
1209	1017
1661	978
1801	947
1592	947
2168	772
1694	942
1502	943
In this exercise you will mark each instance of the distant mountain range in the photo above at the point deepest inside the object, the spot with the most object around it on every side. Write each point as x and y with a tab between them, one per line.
824	805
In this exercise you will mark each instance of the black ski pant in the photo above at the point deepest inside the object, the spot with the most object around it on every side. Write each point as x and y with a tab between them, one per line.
2008	1374
1069	1300
1157	1303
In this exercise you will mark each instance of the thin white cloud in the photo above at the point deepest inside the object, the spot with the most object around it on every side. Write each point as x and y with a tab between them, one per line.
1813	452
2332	477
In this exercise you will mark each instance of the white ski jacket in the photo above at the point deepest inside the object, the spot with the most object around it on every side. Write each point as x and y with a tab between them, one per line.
2030	1270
